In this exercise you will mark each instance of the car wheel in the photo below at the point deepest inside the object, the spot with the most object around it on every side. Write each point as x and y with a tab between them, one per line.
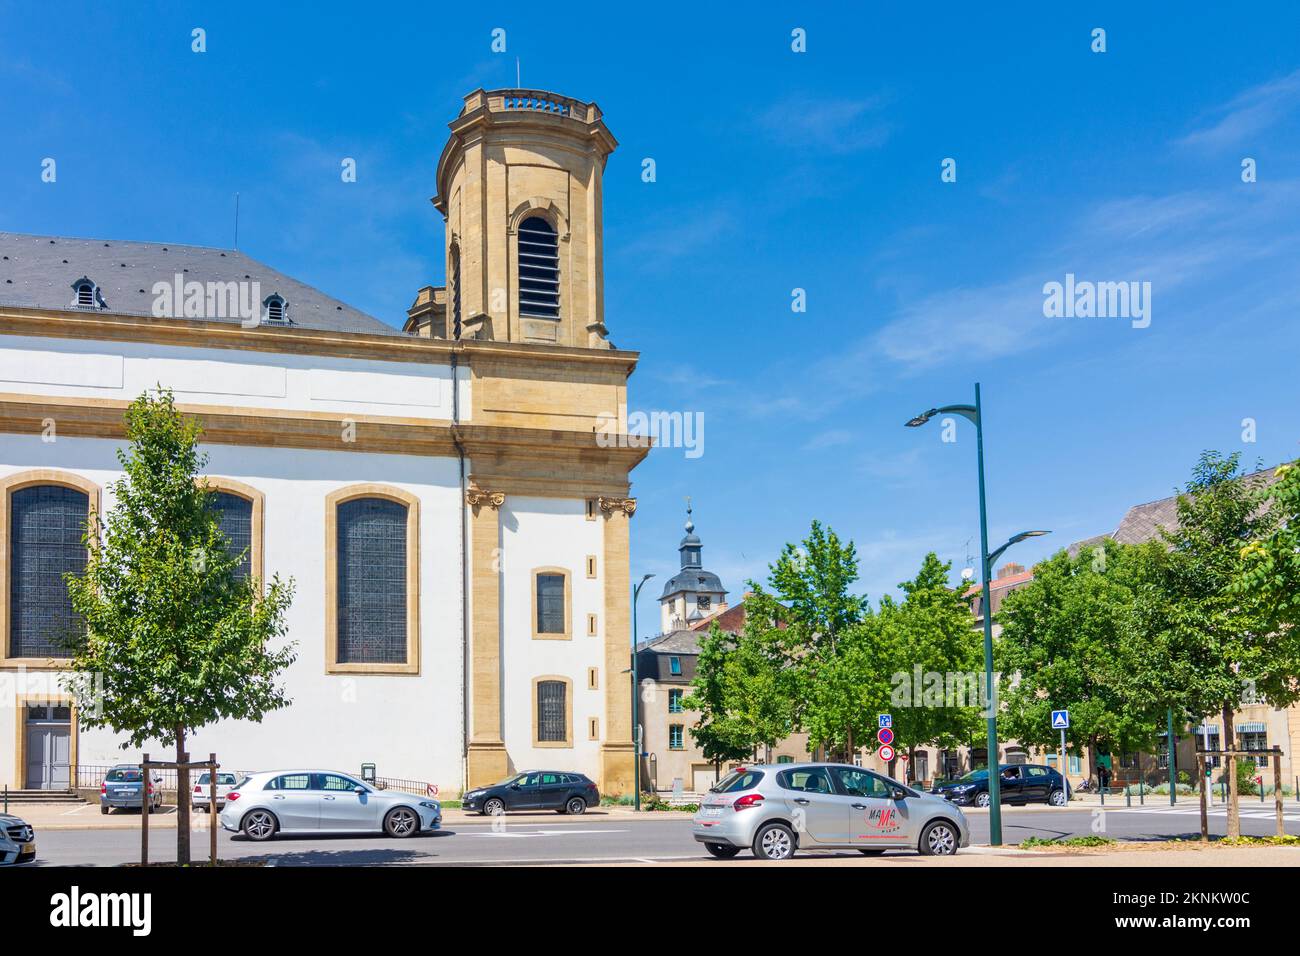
576	805
721	850
104	810
774	842
870	852
1057	798
259	825
982	800
494	807
401	822
939	838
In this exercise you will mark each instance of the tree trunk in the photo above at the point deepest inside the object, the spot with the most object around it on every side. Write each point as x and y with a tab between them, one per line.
849	732
183	801
1234	820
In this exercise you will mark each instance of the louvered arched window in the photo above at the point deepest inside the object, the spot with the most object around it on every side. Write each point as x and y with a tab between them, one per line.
455	292
235	518
46	524
539	269
372	585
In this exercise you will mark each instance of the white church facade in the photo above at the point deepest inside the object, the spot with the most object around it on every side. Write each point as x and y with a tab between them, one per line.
457	536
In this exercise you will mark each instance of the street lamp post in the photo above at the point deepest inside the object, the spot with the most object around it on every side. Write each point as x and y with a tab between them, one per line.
972	413
636	696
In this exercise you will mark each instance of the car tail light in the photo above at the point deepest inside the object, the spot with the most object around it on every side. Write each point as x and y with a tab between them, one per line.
197	788
232	796
149	789
103	788
747	801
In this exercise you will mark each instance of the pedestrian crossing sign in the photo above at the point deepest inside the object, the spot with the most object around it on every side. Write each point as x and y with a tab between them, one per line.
1060	720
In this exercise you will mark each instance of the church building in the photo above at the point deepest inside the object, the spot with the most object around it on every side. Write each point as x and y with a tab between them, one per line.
457	535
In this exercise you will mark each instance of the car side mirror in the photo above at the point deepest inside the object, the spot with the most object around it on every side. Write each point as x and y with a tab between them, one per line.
897	794
358	789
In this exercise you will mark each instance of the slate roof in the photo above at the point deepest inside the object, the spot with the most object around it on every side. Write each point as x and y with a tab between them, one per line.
1143	522
38	272
674	642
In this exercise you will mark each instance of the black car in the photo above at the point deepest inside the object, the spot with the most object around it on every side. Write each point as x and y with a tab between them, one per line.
1019	783
557	790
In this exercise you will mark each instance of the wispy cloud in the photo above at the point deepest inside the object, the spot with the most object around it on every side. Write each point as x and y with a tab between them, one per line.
836	125
1247	114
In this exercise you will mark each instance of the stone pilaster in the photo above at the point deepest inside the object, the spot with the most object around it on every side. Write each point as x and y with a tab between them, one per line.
487	749
616	751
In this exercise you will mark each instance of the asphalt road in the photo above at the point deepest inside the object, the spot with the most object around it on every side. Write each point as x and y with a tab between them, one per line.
597	837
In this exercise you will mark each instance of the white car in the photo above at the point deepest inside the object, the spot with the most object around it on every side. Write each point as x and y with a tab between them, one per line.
17	840
323	801
202	794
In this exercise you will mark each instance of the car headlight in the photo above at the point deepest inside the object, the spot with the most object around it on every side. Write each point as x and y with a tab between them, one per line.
430	805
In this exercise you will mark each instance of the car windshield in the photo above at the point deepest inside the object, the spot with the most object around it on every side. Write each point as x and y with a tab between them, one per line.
974	776
124	776
517	778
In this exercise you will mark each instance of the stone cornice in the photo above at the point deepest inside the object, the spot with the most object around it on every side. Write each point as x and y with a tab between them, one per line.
497	448
196	333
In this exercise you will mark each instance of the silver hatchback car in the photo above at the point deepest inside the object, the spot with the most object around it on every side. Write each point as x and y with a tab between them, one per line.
777	809
323	801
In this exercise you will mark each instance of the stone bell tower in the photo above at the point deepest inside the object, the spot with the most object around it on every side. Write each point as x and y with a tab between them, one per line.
519	184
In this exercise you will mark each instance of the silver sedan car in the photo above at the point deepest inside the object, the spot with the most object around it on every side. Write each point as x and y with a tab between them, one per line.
775	810
323	801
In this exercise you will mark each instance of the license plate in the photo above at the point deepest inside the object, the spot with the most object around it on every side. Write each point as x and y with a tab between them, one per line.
713	811
124	793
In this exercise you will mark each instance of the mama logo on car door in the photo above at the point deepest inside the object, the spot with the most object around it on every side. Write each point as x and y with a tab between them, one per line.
884	819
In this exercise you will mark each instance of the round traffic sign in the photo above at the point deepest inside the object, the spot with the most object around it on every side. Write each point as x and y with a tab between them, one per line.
886	753
902	757
885	735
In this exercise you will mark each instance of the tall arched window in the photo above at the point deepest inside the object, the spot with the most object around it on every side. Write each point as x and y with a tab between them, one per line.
539	269
46	524
372	580
235	518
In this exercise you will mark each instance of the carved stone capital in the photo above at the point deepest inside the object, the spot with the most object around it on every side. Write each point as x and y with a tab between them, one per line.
610	505
477	497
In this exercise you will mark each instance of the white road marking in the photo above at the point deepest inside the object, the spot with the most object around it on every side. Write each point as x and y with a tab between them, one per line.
562	831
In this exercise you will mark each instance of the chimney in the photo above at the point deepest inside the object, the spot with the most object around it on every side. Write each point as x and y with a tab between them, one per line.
1009	569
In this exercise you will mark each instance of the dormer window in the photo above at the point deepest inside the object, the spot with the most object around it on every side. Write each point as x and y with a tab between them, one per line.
86	294
275	310
539	269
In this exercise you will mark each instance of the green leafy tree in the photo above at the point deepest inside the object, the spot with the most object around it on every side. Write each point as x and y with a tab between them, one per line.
743	692
1269	578
714	733
178	637
1062	647
819	637
933	657
1203	640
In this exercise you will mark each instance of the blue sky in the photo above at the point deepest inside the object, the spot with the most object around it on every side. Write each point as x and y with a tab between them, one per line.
775	170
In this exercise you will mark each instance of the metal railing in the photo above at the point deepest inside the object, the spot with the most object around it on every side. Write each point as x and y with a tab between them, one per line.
422	787
90	776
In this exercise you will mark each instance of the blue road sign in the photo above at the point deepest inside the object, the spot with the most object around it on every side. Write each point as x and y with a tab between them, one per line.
1060	720
886	720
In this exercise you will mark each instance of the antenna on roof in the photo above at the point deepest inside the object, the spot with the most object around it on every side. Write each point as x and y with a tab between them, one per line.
236	220
518	82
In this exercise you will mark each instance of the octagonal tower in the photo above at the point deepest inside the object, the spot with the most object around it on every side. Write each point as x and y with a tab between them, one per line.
519	185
